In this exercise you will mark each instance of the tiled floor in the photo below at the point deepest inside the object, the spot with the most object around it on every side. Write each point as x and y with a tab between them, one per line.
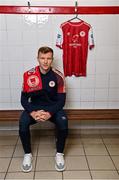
91	157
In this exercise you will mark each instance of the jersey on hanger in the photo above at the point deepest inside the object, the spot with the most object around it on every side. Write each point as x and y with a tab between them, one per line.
75	38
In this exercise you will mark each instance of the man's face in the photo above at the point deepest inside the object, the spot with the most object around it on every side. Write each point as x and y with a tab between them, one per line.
45	61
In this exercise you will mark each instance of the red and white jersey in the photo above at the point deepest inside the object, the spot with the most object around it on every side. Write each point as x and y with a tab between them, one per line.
75	38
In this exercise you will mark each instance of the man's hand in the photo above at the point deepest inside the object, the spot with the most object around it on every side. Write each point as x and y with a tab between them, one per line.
33	114
47	116
37	115
40	115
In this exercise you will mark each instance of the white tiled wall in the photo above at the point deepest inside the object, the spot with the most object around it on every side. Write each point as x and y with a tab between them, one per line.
22	35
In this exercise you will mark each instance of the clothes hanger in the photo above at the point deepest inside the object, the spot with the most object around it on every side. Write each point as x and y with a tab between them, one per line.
76	16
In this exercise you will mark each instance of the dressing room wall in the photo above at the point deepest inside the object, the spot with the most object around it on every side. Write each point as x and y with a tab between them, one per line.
22	35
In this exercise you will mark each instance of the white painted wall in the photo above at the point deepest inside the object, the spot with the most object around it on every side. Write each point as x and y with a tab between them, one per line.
22	35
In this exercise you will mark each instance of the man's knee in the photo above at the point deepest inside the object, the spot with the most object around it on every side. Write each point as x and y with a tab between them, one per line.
61	120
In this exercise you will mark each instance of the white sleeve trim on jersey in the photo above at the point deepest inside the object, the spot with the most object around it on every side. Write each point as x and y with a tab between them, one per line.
91	39
59	39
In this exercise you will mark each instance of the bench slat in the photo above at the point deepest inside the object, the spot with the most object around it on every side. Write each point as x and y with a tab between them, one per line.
73	114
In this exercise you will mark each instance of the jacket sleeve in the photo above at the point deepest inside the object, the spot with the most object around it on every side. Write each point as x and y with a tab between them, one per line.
25	102
27	105
58	105
60	96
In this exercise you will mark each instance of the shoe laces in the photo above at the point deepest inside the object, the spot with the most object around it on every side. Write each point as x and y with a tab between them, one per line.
27	159
60	158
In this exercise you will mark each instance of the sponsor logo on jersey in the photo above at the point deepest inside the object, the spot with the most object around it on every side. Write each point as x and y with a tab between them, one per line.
75	44
59	36
91	35
33	81
75	38
82	33
51	83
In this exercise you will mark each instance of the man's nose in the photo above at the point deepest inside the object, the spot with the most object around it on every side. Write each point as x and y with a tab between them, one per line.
45	60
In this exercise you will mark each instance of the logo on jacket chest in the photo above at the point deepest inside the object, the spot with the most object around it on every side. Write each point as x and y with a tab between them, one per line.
52	83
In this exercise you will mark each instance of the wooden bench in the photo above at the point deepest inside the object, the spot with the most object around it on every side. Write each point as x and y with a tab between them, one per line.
73	114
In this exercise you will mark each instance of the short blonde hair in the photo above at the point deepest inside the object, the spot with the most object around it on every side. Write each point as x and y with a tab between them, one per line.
44	50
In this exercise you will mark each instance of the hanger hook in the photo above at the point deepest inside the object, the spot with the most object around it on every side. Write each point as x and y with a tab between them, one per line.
29	7
76	5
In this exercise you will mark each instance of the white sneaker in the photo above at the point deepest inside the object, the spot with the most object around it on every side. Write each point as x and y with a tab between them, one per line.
27	163
59	162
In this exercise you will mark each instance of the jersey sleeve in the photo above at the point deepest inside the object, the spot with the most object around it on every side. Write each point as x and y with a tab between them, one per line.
91	39
59	38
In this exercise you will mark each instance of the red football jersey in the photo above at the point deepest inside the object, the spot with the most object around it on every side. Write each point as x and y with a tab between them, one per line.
75	38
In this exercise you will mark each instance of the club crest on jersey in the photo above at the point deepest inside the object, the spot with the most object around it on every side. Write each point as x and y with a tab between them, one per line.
51	83
82	33
33	81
